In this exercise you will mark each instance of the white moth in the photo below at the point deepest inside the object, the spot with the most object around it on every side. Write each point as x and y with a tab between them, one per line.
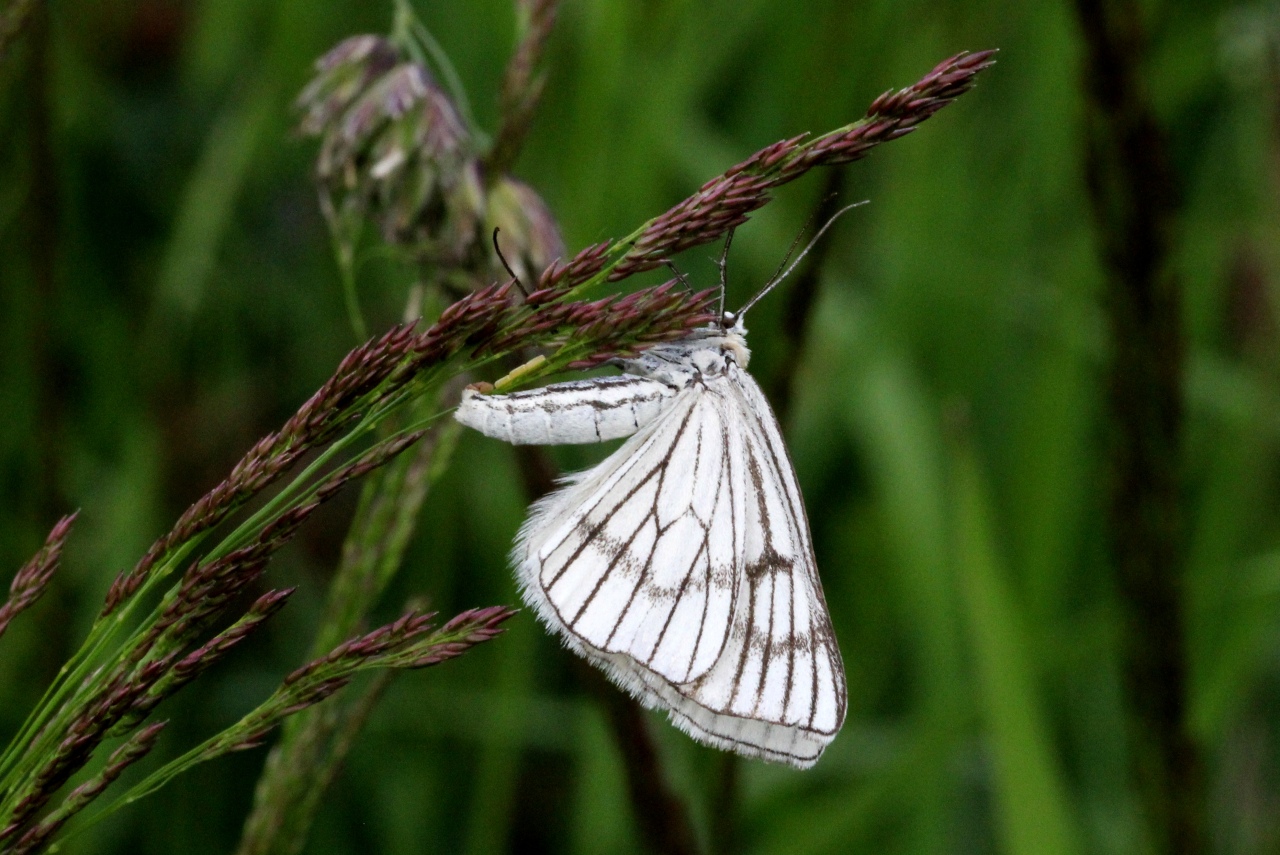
682	564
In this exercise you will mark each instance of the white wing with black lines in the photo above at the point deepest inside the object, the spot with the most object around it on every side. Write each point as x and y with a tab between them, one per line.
683	565
778	689
636	556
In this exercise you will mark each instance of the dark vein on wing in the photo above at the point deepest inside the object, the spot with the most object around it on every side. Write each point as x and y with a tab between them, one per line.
725	481
600	494
791	652
647	569
766	661
684	583
659	470
780	459
595	530
608	571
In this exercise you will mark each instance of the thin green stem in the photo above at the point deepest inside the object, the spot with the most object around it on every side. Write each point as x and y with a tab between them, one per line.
159	778
412	36
404	19
303	486
66	696
345	253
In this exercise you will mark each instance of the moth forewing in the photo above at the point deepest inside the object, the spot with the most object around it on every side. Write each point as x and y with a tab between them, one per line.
682	564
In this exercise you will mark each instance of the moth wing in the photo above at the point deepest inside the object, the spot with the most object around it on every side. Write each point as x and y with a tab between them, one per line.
683	565
633	561
778	689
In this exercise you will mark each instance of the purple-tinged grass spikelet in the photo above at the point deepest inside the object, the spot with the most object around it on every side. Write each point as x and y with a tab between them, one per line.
726	201
201	659
133	750
322	417
30	582
342	74
522	82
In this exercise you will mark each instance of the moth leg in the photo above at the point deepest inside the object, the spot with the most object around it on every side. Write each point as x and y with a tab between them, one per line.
573	413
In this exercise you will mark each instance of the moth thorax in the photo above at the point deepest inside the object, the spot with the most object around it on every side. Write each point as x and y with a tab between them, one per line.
735	347
708	361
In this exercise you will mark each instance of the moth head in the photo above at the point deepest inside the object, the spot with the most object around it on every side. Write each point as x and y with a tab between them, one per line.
732	322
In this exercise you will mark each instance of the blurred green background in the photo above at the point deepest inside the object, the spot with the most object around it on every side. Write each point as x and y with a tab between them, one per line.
168	294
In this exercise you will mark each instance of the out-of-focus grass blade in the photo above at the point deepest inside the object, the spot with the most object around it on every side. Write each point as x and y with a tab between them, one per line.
902	442
891	417
207	203
495	498
602	813
222	169
499	765
1229	612
1051	471
818	815
1230	667
1032	812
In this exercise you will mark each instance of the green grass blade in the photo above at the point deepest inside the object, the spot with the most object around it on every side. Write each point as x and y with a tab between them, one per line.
1033	815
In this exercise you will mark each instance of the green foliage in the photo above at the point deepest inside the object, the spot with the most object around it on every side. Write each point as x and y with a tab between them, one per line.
178	298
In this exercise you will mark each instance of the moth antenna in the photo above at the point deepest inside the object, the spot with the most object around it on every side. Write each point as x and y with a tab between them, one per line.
723	264
795	242
778	277
507	266
680	277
